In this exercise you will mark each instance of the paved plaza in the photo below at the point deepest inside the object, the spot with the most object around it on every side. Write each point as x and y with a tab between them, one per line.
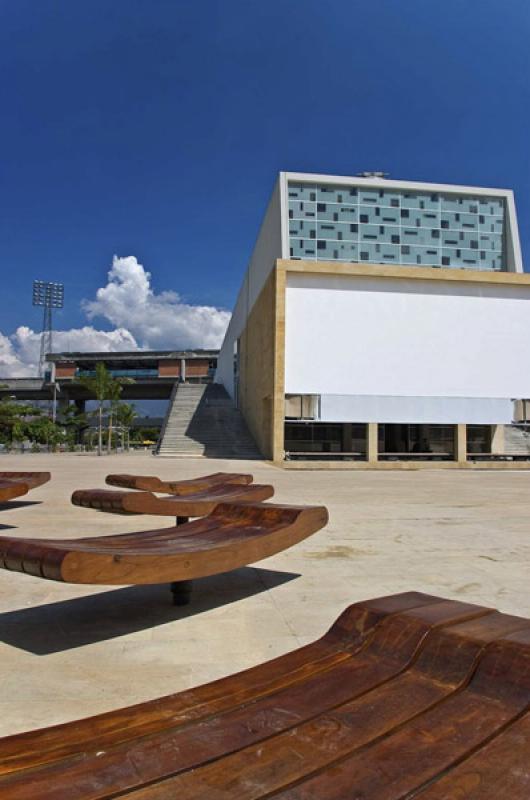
71	651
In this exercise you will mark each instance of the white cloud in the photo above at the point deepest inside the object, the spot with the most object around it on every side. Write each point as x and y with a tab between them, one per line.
157	321
142	320
19	353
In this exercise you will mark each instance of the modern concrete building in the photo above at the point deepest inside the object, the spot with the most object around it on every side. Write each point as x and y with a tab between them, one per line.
381	323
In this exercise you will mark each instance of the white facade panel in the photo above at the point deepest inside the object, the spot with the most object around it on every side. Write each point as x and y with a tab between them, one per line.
416	410
406	338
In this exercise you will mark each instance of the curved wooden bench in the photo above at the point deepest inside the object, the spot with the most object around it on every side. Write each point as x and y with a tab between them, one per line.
231	536
196	504
16	484
150	483
409	696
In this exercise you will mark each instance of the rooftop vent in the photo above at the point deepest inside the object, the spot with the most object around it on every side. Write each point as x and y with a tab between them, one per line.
372	175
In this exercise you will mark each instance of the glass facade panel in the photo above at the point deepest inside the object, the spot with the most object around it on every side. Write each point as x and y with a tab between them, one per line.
343	223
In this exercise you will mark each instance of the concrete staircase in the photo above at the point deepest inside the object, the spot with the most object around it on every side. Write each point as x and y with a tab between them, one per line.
202	421
516	440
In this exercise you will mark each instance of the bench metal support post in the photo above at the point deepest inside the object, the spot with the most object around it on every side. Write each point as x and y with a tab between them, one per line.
181	591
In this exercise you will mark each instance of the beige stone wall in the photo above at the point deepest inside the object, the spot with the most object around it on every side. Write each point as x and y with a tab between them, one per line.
257	362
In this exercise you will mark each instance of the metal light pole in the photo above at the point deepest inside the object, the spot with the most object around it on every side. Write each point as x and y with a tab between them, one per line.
49	295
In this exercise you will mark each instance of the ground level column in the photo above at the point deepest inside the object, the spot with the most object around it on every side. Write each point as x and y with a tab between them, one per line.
372	443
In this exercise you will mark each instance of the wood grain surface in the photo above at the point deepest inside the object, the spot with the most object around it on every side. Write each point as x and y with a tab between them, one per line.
409	696
150	483
192	504
16	484
231	536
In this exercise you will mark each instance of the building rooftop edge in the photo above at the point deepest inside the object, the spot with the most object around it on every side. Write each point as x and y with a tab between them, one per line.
448	188
132	354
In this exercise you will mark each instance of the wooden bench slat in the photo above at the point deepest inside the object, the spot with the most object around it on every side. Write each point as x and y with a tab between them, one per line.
192	504
345	635
420	686
151	483
17	484
231	536
480	778
283	710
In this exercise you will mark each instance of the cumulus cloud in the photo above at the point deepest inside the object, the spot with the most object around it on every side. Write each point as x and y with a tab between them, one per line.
142	319
157	321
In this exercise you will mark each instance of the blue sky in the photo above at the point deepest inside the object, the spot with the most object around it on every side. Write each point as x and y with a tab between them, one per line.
155	129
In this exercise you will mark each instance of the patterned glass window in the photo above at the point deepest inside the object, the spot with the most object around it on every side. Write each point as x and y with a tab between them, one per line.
347	223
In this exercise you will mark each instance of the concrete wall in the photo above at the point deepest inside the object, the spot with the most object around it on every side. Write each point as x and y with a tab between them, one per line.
257	368
267	249
401	337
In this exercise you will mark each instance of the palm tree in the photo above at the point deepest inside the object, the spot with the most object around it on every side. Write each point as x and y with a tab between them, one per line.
125	415
115	390
104	387
99	386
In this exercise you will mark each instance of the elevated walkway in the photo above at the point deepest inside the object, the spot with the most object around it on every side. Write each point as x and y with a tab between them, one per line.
203	421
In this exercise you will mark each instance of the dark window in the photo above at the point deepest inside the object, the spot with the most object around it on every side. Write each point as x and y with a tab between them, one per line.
435	234
458	253
369	236
405	212
293	194
377	212
481	218
364	217
467	225
354	227
327	227
312	196
339	235
291	251
451	241
389	219
312	233
365	255
290	214
474	244
434	198
473	209
394	202
418	259
339	198
411	232
445	261
321	245
381	229
335	254
353	192
430	216
444	223
422	203
335	217
321	206
405	250
457	217
483	254
395	238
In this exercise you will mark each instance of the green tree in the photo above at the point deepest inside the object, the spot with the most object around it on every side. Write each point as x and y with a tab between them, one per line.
104	388
125	416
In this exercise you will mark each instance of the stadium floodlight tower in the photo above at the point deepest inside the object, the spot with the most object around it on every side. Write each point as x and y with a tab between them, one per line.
49	295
